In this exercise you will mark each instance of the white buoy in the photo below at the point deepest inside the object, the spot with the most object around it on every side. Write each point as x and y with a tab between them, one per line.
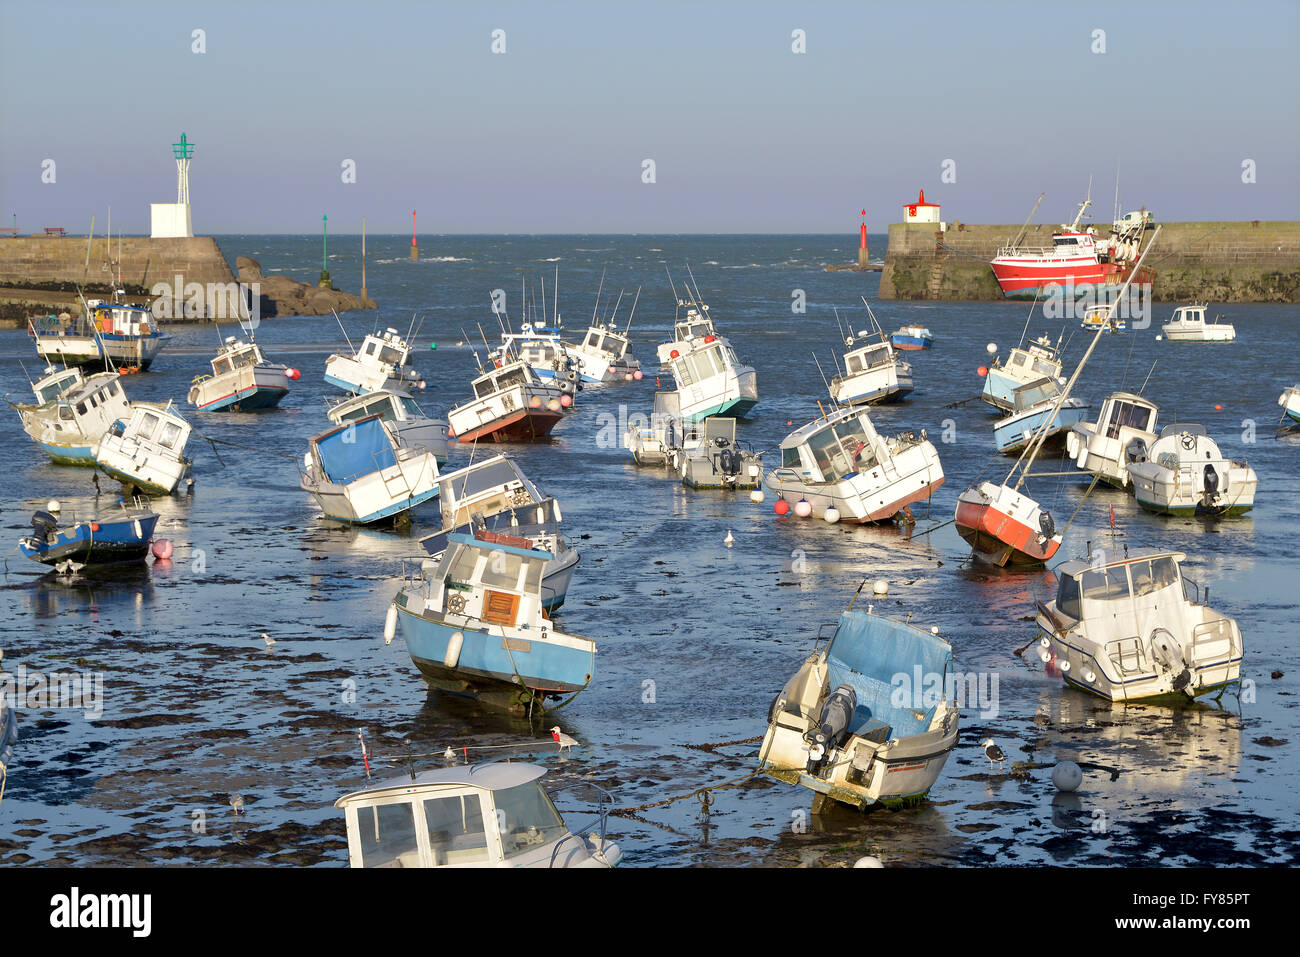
729	540
868	862
52	505
1067	776
881	587
991	348
832	514
756	496
803	508
1159	338
390	624
454	643
934	629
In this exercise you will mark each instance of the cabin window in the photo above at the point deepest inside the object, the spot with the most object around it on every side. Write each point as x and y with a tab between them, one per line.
81	408
790	458
370	348
65	413
1045	368
483	387
1105	584
456	832
1127	415
875	357
514	377
1153	575
528	820
220	366
1067	598
114	388
244	358
170	433
412	410
853	364
387	833
502	569
614	346
1018	359
682	373
593	340
93	399
391	356
148	422
533	579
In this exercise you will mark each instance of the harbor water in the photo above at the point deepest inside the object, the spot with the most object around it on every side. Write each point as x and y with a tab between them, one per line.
695	638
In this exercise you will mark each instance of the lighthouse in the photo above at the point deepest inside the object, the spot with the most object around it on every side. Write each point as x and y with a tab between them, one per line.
921	211
172	220
863	259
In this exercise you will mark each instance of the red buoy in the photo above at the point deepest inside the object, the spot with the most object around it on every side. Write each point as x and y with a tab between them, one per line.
781	507
983	371
674	354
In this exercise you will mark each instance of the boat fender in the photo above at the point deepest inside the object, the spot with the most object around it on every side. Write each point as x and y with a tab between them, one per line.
566	386
454	644
390	624
571	376
1046	523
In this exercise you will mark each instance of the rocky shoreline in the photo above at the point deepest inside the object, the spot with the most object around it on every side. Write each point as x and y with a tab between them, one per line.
282	296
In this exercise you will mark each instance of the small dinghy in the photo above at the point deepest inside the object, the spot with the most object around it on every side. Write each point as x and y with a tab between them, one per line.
1289	400
148	452
1184	473
1189	325
654	443
912	338
842	469
242	380
72	413
1124	430
382	362
115	336
839	728
1039	360
1035	407
494	495
474	624
1102	318
719	461
357	473
873	372
406	420
101	537
1129	629
511	404
477	815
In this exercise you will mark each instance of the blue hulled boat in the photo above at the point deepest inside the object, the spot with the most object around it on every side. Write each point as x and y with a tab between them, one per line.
105	536
912	337
1034	404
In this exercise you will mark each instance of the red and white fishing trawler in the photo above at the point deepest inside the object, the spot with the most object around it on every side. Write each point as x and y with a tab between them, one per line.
1077	260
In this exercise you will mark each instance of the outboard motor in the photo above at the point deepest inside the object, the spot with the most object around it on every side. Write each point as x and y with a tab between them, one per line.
1046	524
1169	653
1136	451
44	525
832	726
1211	485
670	435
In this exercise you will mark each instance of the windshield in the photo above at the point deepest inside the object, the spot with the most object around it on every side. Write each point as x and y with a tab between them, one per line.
456	833
527	819
842	449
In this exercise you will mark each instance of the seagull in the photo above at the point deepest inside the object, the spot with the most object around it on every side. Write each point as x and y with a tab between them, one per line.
729	539
449	754
268	639
237	802
562	739
993	753
1042	717
69	567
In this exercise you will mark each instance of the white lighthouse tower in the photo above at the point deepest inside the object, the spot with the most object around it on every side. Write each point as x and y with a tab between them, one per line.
172	220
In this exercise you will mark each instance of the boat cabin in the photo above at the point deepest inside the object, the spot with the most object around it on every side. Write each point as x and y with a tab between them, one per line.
157	430
833	448
1039	359
1123	410
510	375
56	383
389	406
484	488
702	361
491	578
389	349
694	326
1035	393
1122	596
95	404
1189	315
236	354
487	815
868	357
606	342
349	452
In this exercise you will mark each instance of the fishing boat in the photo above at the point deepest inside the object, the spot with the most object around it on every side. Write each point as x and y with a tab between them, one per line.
511	404
840	728
147	453
382	362
242	380
1123	432
652	443
357	473
912	338
72	413
1103	318
710	378
474	623
544	352
719	461
121	533
1133	628
1078	259
603	355
494	495
1184	473
496	814
1189	325
1289	400
406	420
844	470
1040	359
8	734
1035	404
873	373
112	336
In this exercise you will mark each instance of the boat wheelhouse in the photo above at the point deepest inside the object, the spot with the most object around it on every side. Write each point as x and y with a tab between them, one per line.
1289	400
511	404
653	443
112	336
1025	364
1125	428
873	373
148	452
74	414
242	380
719	461
839	728
357	473
710	378
1134	629
1036	408
497	814
1188	325
1184	473
493	494
603	355
840	461
406	420
544	352
69	540
474	623
382	362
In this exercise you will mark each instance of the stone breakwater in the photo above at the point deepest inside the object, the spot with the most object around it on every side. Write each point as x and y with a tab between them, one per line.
1214	262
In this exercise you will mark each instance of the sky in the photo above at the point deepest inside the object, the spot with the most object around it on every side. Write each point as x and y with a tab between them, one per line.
984	105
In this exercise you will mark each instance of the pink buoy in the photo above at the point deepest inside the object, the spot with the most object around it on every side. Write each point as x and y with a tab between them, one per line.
535	402
162	549
781	507
637	375
566	401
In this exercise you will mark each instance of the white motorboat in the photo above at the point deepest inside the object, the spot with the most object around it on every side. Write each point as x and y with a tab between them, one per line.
1289	400
842	469
242	380
873	371
112	336
718	460
1132	628
71	413
1184	473
1124	430
478	815
359	474
1102	318
841	727
382	362
652	443
406	420
1037	409
710	379
603	355
1025	364
148	452
1189	325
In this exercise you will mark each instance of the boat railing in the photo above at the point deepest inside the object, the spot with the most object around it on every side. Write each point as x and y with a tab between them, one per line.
1040	252
1127	656
1214	631
604	803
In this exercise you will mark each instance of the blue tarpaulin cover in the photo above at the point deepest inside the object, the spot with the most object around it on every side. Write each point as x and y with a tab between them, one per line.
355	450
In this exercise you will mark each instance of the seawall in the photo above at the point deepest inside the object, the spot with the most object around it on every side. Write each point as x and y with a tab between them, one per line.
1215	262
38	261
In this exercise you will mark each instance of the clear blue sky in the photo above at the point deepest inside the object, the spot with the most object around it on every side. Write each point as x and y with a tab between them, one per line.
550	137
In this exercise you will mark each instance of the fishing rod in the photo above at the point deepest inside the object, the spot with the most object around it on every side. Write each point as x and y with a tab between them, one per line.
599	290
635	300
345	332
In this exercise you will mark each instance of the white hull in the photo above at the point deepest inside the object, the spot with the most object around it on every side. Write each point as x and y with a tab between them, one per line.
910	475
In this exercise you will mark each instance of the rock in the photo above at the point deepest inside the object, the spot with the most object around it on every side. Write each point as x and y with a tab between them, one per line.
248	269
282	296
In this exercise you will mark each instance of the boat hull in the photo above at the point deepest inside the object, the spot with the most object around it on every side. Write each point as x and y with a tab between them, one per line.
247	400
110	543
1014	433
522	425
998	536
